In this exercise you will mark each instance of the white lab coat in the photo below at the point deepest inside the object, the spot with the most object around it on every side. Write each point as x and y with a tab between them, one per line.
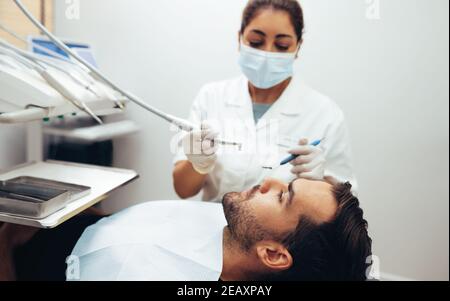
301	112
154	241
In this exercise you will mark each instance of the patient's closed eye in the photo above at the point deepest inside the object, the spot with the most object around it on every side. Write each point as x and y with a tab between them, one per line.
282	196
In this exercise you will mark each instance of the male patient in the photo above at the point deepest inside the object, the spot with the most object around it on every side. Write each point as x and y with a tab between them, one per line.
307	230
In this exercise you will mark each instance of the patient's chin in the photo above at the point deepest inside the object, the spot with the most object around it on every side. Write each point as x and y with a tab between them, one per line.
232	197
231	207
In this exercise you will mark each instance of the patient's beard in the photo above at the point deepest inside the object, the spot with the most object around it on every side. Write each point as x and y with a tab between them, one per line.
242	223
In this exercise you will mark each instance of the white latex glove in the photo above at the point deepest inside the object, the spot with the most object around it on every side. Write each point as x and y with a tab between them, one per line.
311	161
200	149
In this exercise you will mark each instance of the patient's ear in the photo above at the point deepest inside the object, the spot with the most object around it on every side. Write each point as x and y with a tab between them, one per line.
274	256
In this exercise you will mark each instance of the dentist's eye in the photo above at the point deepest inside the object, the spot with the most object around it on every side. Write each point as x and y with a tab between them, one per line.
255	44
282	48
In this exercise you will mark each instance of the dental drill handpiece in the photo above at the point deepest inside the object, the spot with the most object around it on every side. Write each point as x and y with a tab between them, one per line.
189	127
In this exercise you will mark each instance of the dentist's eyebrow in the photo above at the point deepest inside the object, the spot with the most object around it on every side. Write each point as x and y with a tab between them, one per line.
282	36
259	32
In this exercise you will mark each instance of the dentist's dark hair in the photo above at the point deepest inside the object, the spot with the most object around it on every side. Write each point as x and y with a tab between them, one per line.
292	7
339	250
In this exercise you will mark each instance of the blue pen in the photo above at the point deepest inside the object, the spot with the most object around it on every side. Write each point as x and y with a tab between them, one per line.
293	157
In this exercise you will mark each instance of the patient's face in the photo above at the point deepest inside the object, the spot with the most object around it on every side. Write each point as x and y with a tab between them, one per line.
273	209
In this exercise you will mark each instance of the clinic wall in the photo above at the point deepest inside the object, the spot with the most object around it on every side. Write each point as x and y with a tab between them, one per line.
389	74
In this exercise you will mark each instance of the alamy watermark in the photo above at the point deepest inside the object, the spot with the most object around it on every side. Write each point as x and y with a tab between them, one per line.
73	268
73	10
234	131
373	272
373	9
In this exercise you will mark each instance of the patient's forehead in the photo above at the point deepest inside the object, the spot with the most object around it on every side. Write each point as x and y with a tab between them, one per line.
315	200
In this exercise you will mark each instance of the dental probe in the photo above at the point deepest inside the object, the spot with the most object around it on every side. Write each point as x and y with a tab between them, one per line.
292	157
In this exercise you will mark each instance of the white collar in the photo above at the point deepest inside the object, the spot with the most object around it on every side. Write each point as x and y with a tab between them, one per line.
289	103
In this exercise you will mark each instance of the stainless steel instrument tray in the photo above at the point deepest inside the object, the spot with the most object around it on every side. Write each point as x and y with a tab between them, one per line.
37	198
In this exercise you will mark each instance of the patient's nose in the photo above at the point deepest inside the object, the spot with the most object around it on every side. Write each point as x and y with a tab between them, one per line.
270	184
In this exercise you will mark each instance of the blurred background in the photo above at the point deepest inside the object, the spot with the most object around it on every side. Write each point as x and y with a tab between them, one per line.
384	62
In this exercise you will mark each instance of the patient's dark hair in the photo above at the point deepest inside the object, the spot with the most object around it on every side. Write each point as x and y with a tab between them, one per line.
337	250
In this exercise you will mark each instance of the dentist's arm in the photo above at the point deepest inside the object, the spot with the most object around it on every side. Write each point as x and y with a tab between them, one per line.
187	182
189	176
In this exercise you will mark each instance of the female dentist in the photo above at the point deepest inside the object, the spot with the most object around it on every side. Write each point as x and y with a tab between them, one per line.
269	110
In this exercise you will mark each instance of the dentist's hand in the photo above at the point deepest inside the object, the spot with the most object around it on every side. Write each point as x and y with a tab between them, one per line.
311	161
200	149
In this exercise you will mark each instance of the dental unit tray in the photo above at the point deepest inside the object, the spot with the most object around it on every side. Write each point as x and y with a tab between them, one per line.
103	181
37	198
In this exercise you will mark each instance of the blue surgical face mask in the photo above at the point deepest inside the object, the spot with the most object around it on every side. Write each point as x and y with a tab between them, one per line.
266	69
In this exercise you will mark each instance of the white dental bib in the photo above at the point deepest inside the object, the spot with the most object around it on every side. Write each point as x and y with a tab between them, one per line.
164	240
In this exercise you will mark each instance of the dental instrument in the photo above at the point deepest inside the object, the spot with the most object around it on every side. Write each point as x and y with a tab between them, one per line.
24	40
85	82
52	80
180	123
55	60
292	157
